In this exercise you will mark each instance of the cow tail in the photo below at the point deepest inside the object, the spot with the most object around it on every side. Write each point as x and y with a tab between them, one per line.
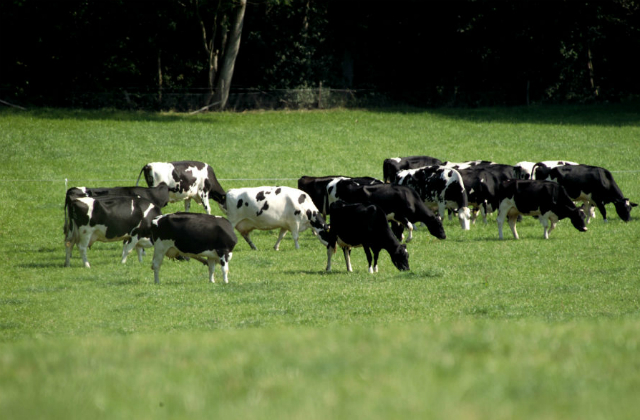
140	174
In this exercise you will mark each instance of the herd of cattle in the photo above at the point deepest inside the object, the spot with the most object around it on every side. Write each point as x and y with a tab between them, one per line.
363	211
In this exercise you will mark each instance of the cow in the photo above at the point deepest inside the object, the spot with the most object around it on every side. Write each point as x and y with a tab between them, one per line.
186	180
594	186
545	199
525	169
267	208
391	166
439	187
540	170
109	219
159	195
354	225
468	164
401	204
316	187
200	236
482	183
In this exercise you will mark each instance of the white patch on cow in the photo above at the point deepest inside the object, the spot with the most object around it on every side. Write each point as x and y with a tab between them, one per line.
146	212
331	190
396	160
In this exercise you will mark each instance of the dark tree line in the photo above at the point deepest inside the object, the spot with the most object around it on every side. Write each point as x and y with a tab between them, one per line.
425	53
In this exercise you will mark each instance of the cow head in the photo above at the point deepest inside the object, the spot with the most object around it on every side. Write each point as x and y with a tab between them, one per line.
579	220
623	208
400	258
436	229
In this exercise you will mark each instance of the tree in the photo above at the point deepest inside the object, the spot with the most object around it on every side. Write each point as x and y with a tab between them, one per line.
221	44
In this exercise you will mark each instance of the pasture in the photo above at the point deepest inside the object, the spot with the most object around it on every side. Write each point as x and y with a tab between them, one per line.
477	329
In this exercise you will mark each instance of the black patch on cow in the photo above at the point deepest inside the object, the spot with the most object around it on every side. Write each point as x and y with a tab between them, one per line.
302	198
309	214
246	204
260	196
297	212
264	208
239	203
329	189
450	174
278	191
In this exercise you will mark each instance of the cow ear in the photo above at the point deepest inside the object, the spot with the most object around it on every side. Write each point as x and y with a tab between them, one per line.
633	204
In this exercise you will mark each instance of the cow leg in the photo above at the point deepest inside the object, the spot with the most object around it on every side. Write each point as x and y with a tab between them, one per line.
211	262
464	215
69	249
83	245
367	252
248	239
544	221
204	197
376	254
187	204
603	211
330	251
127	247
224	263
295	235
500	219
347	258
512	224
283	231
158	255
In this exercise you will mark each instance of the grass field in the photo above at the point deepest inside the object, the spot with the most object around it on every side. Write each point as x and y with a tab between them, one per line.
478	329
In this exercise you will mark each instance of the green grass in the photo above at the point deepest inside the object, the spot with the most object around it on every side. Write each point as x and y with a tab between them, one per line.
478	329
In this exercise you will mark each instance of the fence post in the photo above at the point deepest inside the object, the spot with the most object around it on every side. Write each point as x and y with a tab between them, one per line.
320	95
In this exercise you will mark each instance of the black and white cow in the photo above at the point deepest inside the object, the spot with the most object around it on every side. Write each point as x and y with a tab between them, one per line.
594	186
401	204
482	183
525	169
439	187
545	199
186	180
200	236
355	225
540	170
159	195
109	219
268	208
316	187
391	166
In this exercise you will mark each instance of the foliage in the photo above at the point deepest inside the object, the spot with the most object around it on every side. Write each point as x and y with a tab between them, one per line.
469	53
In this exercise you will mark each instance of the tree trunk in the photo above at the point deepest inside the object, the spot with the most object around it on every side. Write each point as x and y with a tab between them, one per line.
231	49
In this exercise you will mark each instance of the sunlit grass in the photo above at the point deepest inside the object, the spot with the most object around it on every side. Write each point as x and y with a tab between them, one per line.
479	328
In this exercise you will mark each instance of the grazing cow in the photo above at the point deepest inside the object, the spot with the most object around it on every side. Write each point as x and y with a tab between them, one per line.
354	225
594	186
316	187
482	183
200	236
186	180
267	208
159	195
109	219
440	188
545	199
401	204
391	166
